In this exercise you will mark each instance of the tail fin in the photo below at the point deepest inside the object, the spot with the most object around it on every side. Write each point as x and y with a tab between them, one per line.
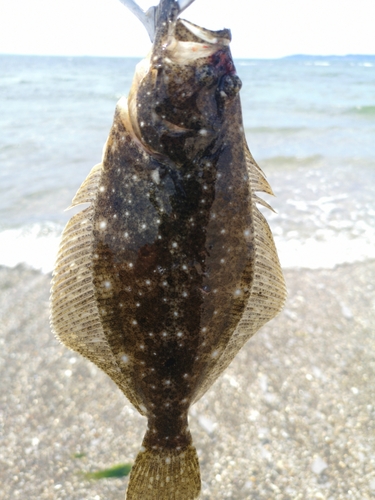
165	475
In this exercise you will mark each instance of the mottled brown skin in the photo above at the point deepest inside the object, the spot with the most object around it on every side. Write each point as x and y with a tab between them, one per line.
173	236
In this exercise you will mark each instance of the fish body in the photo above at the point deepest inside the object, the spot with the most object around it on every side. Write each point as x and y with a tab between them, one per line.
172	267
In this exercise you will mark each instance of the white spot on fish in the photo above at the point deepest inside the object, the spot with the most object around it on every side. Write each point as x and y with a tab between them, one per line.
203	131
102	189
107	284
143	408
103	224
125	358
215	354
155	176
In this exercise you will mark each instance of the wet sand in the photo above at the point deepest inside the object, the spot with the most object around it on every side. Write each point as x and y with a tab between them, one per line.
292	418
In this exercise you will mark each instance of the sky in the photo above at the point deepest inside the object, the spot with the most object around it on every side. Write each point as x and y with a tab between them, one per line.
260	28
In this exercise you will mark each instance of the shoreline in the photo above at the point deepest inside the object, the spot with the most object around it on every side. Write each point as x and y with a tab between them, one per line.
293	417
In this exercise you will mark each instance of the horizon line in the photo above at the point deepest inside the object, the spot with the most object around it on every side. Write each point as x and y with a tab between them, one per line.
142	56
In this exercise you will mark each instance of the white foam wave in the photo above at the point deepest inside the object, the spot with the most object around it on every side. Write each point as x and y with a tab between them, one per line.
314	254
35	246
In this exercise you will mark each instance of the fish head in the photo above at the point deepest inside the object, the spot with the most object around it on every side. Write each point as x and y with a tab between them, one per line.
181	90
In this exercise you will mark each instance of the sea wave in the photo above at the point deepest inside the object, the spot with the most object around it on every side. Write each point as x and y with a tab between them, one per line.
292	161
314	254
274	130
35	246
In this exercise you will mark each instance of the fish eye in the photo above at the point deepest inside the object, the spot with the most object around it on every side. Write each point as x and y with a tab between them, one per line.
230	84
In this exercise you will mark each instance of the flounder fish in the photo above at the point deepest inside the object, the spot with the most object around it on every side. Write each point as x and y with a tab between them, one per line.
172	267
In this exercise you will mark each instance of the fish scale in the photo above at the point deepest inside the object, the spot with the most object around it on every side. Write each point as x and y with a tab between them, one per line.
172	267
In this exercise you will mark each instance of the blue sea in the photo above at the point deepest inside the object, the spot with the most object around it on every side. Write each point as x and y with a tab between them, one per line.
309	122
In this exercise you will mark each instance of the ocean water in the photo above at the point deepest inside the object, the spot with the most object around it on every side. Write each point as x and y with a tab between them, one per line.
309	122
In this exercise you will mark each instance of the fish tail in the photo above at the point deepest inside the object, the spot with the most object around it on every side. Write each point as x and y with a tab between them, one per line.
165	474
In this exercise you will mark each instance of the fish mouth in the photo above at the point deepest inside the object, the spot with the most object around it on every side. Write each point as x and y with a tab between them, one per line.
188	42
160	19
221	37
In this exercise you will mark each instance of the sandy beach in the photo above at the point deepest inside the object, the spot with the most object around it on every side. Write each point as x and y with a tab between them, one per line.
292	418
